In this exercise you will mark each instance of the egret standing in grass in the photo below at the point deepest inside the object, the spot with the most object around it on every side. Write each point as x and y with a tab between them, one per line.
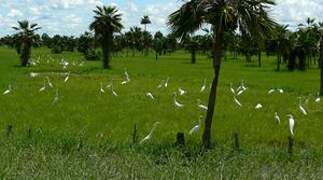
271	91
177	104
127	78
8	90
43	88
258	106
203	86
237	101
291	124
231	89
101	88
56	98
67	77
200	105
166	83
277	118
181	91
150	95
197	127
148	137
318	98
301	108
49	82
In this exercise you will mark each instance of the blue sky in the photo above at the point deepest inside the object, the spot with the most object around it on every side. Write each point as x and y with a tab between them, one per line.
72	17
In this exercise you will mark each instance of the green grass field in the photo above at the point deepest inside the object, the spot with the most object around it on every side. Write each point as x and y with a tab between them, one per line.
88	135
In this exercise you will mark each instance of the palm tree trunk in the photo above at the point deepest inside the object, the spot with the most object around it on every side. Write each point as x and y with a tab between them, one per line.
25	53
278	62
217	54
106	48
259	58
321	65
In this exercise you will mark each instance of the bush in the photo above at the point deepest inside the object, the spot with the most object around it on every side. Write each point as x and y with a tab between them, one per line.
92	55
57	49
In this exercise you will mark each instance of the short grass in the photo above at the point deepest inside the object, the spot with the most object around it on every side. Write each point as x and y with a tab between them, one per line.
88	135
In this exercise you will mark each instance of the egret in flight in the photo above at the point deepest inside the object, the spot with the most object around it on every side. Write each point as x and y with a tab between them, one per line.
148	137
196	128
291	123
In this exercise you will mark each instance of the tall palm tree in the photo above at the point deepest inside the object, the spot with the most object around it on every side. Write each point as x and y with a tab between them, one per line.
145	20
107	21
251	16
26	35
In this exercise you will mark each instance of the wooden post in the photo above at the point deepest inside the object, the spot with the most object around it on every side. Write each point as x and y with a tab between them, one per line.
291	142
235	140
180	139
135	134
9	130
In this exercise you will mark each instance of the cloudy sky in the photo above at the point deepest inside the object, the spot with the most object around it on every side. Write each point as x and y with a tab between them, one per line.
72	17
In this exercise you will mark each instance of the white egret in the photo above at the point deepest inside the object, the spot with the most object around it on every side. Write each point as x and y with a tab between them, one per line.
114	93
127	78
150	95
240	92
67	77
161	84
281	91
203	86
237	101
258	106
8	90
231	89
318	98
33	74
166	83
49	83
271	91
242	87
201	106
291	123
101	88
43	88
56	98
177	104
148	137
277	118
181	91
196	128
301	108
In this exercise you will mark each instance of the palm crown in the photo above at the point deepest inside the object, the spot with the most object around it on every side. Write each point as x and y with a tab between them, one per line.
26	30
107	20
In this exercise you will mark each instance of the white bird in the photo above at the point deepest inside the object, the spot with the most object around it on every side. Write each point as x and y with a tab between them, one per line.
281	91
181	91
127	78
166	83
318	99
196	128
43	88
301	108
277	117
114	93
232	90
201	106
242	87
67	77
258	106
177	104
150	95
203	86
271	91
161	84
8	90
33	74
101	88
240	92
291	123
148	137
237	101
49	83
56	98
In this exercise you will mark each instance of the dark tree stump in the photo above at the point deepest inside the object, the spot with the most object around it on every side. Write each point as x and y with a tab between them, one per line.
9	130
235	142
180	139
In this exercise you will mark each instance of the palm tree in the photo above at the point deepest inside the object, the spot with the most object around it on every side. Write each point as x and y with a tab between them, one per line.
107	21
145	20
223	16
26	36
321	56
